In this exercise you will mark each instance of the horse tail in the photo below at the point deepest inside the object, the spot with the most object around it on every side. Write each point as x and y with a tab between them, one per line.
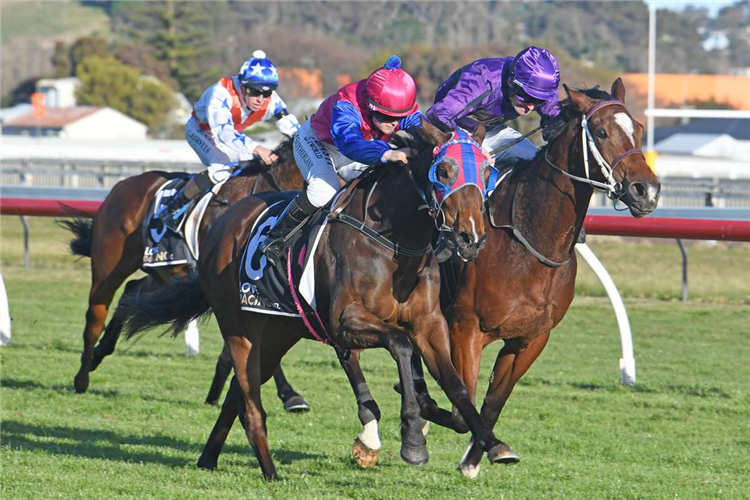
177	304
83	230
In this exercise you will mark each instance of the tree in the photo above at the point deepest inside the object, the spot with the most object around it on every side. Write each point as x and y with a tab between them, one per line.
107	82
61	60
176	35
87	46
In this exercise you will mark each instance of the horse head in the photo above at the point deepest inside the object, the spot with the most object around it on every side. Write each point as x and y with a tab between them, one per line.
457	174
613	138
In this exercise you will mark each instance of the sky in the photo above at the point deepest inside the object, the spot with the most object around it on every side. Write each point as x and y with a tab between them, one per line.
713	6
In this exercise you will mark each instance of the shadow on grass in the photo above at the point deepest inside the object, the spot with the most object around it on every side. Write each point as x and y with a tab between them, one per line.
107	445
693	390
90	443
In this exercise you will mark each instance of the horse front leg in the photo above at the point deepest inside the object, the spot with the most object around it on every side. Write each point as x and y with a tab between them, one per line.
512	362
431	337
366	448
359	329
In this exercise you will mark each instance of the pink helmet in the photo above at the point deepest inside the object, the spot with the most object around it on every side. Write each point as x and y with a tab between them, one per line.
391	90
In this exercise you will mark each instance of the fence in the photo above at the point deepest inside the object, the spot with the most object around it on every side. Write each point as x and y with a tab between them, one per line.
694	224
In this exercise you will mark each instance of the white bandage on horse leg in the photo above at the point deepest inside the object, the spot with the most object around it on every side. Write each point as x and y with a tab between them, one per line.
370	435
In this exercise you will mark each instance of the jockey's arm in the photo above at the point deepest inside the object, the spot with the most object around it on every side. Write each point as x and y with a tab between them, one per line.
286	122
219	117
412	120
455	104
346	133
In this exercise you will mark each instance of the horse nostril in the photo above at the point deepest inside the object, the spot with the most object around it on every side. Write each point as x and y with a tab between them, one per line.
637	190
465	239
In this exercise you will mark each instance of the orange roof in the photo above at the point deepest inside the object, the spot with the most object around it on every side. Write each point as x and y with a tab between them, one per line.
53	117
673	90
301	82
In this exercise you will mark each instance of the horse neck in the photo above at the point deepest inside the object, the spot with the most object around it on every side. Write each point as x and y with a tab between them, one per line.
550	207
394	210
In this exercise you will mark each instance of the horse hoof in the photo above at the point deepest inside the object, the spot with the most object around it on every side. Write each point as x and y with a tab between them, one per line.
502	454
364	456
467	470
296	404
414	455
81	384
206	463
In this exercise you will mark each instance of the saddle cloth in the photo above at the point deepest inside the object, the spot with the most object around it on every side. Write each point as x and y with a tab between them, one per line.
167	248
265	288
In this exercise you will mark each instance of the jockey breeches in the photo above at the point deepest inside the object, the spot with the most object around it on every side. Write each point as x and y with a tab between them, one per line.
211	152
321	164
502	134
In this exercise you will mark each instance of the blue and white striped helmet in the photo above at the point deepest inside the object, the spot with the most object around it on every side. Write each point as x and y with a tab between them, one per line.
259	72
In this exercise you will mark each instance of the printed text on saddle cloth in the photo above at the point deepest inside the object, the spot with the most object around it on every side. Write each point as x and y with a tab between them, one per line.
469	167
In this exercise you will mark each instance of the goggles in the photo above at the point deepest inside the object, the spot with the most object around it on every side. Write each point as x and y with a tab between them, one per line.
254	92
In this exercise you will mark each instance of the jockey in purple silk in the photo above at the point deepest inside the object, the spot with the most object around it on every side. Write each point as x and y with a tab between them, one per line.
347	134
493	91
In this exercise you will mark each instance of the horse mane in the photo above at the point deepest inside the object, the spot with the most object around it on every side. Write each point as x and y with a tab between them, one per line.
283	151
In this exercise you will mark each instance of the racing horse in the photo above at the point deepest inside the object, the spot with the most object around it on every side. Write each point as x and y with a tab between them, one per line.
521	286
113	240
378	287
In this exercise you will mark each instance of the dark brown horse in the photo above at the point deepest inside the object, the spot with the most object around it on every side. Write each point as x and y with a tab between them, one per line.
369	295
521	285
114	242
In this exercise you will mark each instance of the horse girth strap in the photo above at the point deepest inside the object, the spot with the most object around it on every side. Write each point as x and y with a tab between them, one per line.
520	237
374	235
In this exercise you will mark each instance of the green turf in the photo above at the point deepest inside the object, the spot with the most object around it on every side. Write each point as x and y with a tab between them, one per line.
682	432
48	19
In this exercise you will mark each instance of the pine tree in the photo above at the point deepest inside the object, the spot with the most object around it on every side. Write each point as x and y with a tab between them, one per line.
177	36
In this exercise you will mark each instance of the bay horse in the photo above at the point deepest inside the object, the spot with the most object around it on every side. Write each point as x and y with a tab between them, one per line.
113	240
370	290
521	286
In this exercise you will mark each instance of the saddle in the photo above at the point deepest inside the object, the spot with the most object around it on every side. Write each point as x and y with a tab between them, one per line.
167	248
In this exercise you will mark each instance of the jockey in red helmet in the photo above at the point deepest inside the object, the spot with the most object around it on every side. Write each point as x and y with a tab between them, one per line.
348	133
215	131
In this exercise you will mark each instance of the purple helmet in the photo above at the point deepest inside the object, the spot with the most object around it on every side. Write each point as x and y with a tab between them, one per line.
536	73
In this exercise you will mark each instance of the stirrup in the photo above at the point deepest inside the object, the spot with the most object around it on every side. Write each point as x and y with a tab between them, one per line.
274	250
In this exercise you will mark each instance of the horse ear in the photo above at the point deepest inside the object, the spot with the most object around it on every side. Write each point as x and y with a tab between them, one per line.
618	90
432	134
479	133
579	99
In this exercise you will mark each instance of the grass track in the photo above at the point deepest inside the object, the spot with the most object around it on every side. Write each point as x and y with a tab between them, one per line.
682	432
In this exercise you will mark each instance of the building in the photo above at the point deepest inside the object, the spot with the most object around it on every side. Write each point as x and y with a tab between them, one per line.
80	122
58	92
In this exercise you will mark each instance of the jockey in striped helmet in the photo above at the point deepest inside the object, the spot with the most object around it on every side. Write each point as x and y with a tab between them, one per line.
215	129
493	91
348	133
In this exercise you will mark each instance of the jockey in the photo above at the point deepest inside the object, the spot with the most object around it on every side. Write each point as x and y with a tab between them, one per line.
215	131
493	91
348	133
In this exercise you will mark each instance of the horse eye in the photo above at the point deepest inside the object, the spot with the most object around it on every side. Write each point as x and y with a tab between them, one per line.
601	133
442	172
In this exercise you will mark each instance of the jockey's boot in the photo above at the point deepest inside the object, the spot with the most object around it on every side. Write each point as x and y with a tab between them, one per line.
295	215
197	185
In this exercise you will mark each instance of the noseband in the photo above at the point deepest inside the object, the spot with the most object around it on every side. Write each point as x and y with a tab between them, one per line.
611	187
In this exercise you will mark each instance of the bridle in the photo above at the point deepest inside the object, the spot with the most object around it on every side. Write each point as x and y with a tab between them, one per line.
613	188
